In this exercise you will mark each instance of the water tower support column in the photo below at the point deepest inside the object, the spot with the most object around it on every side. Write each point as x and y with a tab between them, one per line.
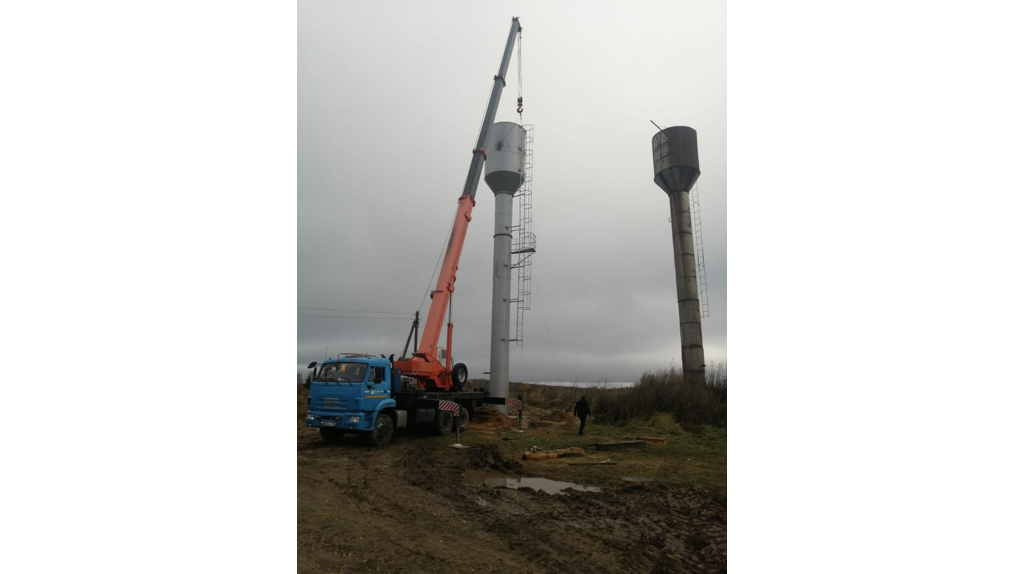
501	293
686	287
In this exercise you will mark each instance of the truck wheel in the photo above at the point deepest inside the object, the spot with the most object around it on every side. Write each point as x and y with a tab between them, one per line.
463	420
382	431
460	375
331	435
443	421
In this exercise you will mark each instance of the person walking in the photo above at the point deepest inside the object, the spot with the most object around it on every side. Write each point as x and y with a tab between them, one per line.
582	410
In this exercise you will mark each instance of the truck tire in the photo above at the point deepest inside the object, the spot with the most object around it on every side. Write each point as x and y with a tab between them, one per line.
460	375
331	435
443	422
463	420
382	432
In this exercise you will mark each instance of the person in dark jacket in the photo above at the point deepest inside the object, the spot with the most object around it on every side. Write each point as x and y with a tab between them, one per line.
582	410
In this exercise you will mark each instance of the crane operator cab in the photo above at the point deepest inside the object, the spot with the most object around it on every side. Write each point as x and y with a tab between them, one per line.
354	394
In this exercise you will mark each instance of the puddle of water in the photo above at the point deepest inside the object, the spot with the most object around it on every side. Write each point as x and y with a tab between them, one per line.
540	484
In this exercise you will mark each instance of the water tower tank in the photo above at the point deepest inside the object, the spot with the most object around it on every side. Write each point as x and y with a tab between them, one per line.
504	168
676	167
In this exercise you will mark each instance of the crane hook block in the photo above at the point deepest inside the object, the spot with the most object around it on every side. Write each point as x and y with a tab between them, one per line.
520	108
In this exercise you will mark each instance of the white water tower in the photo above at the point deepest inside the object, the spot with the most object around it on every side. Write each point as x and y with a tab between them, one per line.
504	173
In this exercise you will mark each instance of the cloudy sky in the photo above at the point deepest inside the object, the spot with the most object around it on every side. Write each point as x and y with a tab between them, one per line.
390	99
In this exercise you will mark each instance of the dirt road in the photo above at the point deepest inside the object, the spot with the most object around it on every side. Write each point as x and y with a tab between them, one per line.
417	505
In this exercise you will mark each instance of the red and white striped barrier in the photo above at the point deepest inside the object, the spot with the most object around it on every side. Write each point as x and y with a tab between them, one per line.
518	404
449	406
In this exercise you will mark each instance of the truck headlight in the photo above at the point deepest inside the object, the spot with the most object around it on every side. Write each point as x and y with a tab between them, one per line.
310	417
354	419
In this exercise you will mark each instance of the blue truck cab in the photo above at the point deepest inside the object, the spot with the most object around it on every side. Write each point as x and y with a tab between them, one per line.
363	394
354	394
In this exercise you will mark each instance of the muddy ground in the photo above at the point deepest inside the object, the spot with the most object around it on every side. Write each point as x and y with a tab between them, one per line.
419	505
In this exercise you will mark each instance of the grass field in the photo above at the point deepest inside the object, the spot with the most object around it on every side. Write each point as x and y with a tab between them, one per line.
689	459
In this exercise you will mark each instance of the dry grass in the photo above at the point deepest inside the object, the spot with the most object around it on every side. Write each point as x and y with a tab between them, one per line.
691	405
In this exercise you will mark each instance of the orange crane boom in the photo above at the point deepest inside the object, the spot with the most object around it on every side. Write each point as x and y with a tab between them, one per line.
423	365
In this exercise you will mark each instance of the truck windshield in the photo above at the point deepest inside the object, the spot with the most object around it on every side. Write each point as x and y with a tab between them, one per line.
342	373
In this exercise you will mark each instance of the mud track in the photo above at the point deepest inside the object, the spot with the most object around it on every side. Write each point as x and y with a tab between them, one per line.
410	507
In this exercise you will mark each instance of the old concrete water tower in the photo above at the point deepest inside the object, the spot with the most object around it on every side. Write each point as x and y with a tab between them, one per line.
676	169
504	173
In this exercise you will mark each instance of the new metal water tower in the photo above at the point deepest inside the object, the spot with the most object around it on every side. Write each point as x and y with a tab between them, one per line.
676	169
504	173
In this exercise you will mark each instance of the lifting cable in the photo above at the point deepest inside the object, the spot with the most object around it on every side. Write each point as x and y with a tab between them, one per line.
439	255
519	105
519	59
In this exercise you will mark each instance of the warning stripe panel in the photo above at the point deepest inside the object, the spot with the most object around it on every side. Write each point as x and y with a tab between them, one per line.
449	406
518	404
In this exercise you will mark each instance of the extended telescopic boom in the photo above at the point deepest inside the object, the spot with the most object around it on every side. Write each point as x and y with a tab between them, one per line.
424	364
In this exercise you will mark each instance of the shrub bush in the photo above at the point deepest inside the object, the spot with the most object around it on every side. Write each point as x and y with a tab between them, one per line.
692	404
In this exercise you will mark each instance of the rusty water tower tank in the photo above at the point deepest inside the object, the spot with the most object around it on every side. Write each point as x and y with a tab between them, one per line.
676	169
676	166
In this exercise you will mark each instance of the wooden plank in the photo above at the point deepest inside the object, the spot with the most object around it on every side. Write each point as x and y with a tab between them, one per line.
620	445
658	440
549	454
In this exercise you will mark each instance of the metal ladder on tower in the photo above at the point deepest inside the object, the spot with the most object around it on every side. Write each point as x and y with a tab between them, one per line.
698	239
524	243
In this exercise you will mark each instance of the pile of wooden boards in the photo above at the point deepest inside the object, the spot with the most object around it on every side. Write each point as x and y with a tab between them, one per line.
549	454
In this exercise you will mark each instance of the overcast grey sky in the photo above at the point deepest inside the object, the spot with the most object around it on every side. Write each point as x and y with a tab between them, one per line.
390	98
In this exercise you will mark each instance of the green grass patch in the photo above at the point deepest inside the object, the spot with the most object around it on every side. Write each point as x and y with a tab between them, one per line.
691	458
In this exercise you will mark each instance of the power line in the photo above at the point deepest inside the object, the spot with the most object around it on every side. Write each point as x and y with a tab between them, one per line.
373	318
355	311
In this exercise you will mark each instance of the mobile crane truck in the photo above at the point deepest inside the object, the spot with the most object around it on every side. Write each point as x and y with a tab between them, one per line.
364	394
